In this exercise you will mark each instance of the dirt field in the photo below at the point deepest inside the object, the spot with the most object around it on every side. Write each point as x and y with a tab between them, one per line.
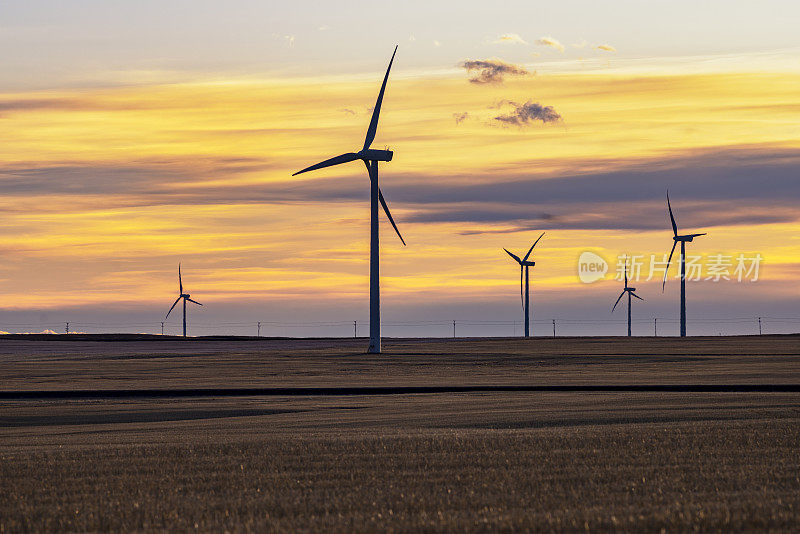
433	462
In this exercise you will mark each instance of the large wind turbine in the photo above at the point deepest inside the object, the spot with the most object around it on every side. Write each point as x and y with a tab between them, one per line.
682	239
630	292
370	157
185	297
523	270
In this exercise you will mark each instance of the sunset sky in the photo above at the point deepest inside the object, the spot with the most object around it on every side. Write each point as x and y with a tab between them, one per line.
136	135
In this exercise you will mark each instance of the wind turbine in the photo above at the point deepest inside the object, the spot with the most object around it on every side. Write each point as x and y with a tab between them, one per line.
370	157
185	297
682	239
523	270
630	292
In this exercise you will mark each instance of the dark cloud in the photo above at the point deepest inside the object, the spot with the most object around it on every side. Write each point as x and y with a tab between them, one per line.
460	117
529	112
715	188
492	70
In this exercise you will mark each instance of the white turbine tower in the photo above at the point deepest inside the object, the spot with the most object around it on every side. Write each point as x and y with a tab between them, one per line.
185	297
682	239
523	271
370	157
630	292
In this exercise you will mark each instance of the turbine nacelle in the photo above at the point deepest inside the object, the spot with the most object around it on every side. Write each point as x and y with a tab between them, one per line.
371	154
185	295
631	289
686	238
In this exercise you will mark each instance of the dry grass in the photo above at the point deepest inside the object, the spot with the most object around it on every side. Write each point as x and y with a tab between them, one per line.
82	364
633	462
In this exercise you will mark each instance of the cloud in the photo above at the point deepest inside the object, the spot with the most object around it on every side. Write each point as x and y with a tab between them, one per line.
528	112
549	41
606	47
460	117
348	111
492	70
510	38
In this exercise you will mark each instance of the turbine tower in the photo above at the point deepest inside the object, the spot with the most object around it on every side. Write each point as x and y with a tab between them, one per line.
371	157
682	239
524	286
185	297
630	292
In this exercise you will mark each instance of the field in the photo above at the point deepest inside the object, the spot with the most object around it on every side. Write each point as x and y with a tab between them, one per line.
480	461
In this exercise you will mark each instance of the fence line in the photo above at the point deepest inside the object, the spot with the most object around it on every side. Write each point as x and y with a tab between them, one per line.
449	327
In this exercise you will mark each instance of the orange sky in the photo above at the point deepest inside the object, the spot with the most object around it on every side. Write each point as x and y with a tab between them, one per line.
107	189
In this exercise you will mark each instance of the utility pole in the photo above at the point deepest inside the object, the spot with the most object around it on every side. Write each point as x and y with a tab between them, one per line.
162	328
655	326
454	329
66	329
259	329
759	326
554	328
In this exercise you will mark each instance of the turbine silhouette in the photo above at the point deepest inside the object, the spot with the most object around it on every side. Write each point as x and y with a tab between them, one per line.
524	264
630	292
185	297
682	239
371	157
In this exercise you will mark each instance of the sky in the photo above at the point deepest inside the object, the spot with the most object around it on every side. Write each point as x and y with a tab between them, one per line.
134	136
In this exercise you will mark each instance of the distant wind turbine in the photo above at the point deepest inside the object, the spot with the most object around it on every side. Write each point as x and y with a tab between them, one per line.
524	286
682	239
370	157
630	292
185	297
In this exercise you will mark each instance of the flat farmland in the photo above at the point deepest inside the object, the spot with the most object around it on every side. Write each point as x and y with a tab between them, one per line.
451	462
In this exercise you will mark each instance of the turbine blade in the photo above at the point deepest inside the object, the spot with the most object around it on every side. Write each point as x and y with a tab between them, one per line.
698	235
180	281
373	124
672	217
626	272
531	249
344	158
173	306
190	300
389	215
618	299
513	256
674	244
636	296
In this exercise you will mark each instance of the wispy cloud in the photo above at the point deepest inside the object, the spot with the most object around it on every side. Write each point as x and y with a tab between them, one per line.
529	112
549	41
460	117
606	47
492	70
510	38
